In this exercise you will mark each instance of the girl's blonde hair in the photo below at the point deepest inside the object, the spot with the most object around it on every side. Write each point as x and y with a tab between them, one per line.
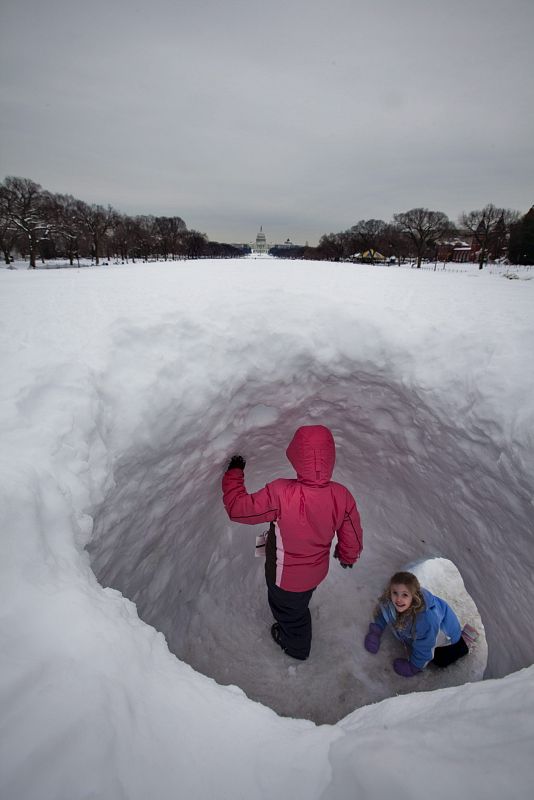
406	618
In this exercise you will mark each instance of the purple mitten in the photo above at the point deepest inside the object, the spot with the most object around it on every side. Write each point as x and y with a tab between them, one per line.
405	668
372	640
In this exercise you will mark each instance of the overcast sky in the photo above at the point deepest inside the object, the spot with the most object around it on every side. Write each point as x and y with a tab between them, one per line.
303	116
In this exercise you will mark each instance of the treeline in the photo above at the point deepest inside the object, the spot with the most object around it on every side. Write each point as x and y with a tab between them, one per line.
42	225
39	224
423	234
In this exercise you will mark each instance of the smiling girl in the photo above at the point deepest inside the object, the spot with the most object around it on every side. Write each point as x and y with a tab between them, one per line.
425	623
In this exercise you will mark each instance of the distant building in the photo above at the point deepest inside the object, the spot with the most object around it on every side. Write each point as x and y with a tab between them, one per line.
261	242
287	250
457	250
287	245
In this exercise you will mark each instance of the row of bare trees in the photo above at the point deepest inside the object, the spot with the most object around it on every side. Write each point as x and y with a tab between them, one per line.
40	224
419	232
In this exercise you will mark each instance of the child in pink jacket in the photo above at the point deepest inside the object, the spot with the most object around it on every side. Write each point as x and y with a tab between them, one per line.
305	513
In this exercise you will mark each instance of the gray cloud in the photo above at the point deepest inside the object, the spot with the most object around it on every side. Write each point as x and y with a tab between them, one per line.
303	117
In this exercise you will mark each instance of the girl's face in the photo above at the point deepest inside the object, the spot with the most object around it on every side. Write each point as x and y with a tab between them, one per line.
401	597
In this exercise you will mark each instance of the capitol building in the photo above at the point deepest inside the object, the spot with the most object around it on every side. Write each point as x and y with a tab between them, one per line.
261	242
262	247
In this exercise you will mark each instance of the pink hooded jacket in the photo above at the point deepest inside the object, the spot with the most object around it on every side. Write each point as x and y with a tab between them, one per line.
307	511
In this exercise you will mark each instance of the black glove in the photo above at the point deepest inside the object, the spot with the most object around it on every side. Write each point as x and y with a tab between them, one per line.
236	462
342	563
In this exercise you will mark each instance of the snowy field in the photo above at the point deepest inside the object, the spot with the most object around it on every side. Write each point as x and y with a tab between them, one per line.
125	388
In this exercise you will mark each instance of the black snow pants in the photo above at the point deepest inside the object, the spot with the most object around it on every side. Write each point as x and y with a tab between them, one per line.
443	656
290	610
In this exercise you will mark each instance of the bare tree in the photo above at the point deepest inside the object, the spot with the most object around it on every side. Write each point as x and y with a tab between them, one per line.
8	232
62	214
194	243
23	205
490	227
169	232
423	228
395	243
367	234
177	231
333	246
145	235
124	233
161	231
96	221
521	247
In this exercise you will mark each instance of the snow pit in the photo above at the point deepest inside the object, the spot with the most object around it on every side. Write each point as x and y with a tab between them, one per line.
429	482
125	391
162	537
417	443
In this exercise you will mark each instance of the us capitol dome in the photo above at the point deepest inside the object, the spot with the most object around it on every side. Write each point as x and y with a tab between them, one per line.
261	242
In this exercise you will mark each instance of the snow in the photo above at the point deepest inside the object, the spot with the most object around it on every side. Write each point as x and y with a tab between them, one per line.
124	391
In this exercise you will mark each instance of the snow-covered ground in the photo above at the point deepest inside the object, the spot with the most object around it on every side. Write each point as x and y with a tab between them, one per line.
124	390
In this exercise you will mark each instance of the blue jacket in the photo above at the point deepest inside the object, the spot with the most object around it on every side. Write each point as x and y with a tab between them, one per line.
437	615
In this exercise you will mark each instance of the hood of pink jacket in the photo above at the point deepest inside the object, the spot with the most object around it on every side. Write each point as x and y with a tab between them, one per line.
312	453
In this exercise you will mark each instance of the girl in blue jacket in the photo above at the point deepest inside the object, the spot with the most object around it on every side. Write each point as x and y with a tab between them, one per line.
419	619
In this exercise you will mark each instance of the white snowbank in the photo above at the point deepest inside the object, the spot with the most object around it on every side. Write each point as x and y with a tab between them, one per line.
125	389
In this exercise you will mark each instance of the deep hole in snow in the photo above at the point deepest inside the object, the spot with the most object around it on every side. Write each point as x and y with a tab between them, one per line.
426	486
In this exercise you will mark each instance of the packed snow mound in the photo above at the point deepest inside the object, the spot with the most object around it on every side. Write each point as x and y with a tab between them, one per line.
125	390
443	579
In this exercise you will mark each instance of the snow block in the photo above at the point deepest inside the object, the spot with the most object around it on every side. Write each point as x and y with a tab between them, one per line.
442	578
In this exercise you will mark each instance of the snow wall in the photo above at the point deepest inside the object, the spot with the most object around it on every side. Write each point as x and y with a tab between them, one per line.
127	393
